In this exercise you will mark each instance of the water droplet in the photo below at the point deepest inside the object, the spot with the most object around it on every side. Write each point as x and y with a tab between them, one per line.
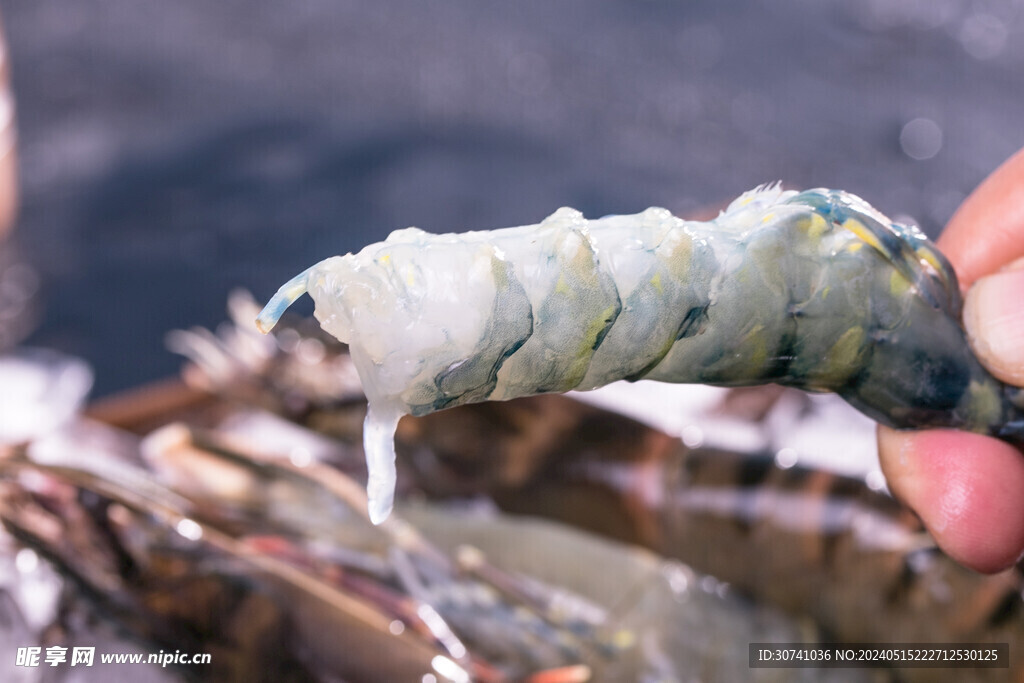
983	36
692	436
921	139
26	560
310	351
786	458
189	529
875	480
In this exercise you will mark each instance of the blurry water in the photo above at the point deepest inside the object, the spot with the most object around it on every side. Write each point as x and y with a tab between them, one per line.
172	151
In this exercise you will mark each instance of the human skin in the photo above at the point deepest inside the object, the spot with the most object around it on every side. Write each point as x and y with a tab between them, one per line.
969	489
8	160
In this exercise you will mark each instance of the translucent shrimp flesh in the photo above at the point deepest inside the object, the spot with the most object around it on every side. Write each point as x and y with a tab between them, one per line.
815	290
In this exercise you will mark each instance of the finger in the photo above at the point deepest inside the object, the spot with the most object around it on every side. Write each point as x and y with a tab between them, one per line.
987	231
994	320
966	489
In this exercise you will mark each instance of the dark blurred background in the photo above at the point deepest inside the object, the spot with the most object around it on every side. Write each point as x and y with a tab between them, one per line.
172	151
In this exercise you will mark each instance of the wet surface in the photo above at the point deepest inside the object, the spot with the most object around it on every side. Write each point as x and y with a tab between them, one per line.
173	151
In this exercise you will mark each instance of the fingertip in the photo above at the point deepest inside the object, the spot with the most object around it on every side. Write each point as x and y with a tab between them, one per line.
987	231
965	487
994	320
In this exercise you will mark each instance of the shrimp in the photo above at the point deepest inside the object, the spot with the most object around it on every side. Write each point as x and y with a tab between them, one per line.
815	290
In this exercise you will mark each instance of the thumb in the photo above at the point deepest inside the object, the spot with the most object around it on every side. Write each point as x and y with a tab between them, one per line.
994	318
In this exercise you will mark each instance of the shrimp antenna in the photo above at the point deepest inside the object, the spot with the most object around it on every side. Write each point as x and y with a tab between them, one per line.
285	297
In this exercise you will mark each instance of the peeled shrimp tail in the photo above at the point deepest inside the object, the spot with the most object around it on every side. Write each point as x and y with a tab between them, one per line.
815	290
279	303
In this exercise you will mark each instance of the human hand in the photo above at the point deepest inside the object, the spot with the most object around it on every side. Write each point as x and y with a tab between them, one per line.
969	489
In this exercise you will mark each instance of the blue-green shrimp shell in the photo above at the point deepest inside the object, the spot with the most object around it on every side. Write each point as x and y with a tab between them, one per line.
815	290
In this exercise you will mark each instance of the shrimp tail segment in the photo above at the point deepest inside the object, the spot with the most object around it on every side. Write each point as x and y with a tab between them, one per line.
1013	429
279	303
904	246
